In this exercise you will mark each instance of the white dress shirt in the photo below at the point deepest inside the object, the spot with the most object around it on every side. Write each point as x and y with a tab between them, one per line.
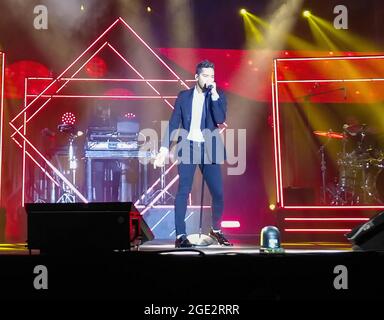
195	133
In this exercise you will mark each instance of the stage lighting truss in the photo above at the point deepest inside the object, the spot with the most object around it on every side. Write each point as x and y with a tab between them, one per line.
276	76
20	122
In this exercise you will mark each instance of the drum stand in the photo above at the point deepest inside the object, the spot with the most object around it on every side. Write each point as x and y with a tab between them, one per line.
323	173
68	195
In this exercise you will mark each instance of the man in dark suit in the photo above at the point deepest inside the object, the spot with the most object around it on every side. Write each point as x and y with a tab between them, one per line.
197	114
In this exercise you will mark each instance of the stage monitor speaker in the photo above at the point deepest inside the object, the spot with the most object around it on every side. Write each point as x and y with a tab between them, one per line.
370	235
84	227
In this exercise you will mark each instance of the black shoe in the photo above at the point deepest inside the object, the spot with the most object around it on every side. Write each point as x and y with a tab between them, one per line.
219	237
183	242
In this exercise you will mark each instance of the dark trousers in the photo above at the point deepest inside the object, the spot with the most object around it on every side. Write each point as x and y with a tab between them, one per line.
212	177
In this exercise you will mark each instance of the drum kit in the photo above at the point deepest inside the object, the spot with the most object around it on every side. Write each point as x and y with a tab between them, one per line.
360	178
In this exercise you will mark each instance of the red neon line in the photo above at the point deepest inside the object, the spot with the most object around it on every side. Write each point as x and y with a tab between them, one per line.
110	79
317	230
104	97
42	169
65	180
24	146
171	207
326	219
278	138
153	52
331	58
275	140
335	207
79	57
332	80
1	125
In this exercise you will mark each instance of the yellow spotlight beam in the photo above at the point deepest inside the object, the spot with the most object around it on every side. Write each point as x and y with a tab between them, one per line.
319	35
353	41
254	36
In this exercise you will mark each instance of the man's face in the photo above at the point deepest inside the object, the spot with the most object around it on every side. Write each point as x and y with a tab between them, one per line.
205	78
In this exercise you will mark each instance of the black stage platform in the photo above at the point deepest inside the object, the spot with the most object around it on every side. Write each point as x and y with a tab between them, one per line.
158	273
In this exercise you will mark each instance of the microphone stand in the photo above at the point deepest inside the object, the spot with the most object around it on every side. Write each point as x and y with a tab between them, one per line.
306	97
200	239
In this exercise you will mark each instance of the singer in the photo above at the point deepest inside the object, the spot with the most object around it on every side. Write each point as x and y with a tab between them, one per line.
198	112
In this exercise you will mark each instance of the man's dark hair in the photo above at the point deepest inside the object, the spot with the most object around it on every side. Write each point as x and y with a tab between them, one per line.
204	64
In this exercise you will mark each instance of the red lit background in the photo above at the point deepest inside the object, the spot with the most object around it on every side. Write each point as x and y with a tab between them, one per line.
243	69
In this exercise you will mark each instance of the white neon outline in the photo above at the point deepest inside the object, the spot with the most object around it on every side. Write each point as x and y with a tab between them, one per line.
278	137
336	207
60	76
108	79
230	224
170	207
103	97
159	195
62	177
42	169
332	80
326	219
331	58
275	89
316	230
154	184
153	52
58	90
139	74
275	155
24	145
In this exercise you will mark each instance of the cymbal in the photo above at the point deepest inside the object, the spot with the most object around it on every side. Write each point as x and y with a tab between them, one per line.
329	134
354	129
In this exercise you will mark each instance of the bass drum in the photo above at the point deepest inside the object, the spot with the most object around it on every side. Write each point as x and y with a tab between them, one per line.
375	182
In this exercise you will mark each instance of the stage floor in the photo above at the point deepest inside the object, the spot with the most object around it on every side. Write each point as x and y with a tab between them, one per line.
245	247
159	273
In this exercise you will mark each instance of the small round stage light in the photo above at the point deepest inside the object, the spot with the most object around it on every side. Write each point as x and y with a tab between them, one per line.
270	240
68	118
82	7
243	11
149	9
129	115
306	13
272	206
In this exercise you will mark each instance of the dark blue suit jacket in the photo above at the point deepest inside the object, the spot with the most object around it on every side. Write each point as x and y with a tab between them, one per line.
214	113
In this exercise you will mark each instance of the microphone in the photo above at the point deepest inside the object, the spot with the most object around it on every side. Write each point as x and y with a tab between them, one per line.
209	87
